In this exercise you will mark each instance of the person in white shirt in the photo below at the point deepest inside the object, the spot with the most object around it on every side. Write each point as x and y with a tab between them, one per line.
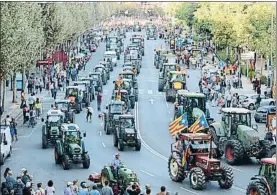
89	113
8	120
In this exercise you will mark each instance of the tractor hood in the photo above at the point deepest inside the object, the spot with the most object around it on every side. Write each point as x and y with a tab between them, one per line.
128	175
130	130
75	149
247	134
116	116
54	131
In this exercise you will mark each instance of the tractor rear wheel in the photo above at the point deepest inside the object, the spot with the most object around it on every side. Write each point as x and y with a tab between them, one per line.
234	152
120	145
257	187
161	85
176	171
44	142
66	162
57	156
115	140
86	161
227	178
197	178
266	151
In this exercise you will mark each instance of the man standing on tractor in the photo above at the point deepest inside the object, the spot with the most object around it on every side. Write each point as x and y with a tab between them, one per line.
116	164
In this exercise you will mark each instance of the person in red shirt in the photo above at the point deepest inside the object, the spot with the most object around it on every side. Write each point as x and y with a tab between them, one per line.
99	100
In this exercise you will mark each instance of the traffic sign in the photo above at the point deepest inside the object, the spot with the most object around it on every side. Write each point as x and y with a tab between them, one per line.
248	56
221	63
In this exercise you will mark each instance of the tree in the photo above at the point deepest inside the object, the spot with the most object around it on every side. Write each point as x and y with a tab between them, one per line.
186	12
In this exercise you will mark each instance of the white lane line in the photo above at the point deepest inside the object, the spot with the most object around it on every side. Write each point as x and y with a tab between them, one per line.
171	119
239	170
141	91
165	101
14	149
103	145
143	142
100	133
239	189
189	191
150	92
168	112
147	173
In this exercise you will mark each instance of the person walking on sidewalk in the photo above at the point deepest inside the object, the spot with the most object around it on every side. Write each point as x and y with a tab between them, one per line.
55	92
32	100
38	107
228	97
51	87
22	97
99	100
13	129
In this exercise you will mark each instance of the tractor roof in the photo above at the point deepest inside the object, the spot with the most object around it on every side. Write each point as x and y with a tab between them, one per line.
170	64
99	66
62	101
177	72
94	73
70	127
126	116
236	110
127	72
121	91
182	91
195	136
193	94
80	82
110	53
168	55
116	102
269	160
72	87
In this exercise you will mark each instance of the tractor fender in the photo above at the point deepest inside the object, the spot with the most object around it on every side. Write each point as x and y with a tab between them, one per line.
219	129
83	146
262	180
59	147
107	169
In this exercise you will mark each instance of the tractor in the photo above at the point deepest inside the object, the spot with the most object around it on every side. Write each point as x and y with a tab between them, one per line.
126	133
127	74
151	34
123	95
265	182
160	56
192	155
51	129
113	110
163	74
175	81
132	65
73	93
236	138
105	74
127	84
70	149
64	106
112	56
271	133
193	103
165	57
92	86
108	66
84	91
138	41
97	81
118	180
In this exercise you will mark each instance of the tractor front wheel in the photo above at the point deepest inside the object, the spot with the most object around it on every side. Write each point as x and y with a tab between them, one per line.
227	178
120	145
115	140
197	178
66	162
57	156
234	152
138	145
176	171
86	161
257	187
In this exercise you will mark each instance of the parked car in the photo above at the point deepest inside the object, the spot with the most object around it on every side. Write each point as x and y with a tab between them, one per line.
248	101
261	113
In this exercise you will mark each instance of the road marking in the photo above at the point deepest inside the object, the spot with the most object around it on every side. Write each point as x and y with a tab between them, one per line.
239	170
239	189
141	91
143	142
151	101
150	92
192	192
14	149
168	112
147	173
171	119
165	101
103	145
100	133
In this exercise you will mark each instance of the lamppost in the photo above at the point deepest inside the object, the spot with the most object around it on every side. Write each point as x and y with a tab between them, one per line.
270	71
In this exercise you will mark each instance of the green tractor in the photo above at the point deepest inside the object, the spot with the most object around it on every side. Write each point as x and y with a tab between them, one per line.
175	81
84	92
111	115
128	74
127	85
167	67
71	148
265	182
118	181
51	130
165	57
64	106
236	138
126	133
193	103
128	100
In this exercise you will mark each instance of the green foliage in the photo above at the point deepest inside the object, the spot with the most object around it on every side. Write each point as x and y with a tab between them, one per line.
263	79
186	12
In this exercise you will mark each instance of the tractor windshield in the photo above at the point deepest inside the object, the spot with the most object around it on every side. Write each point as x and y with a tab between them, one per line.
177	77
98	69
127	123
72	92
126	85
116	109
61	105
169	68
128	76
94	76
54	118
242	119
196	102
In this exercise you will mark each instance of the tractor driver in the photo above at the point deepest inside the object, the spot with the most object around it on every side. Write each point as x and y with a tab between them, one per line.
116	163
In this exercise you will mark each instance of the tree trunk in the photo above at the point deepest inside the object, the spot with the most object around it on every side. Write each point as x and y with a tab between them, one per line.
1	83
3	94
14	87
23	79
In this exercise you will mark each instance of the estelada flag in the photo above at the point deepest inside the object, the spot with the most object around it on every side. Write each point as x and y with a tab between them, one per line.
178	125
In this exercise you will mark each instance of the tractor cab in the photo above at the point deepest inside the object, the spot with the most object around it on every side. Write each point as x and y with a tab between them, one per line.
129	75
75	95
265	181
92	85
168	67
64	106
103	72
84	91
97	80
108	65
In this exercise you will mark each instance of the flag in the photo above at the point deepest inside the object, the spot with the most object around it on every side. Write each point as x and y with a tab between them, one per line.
185	154
178	124
200	124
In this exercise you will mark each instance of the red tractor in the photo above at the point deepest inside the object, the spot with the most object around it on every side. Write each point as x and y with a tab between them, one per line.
191	155
265	182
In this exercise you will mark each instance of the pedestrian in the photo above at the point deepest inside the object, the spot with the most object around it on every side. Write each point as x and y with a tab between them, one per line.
148	191
41	85
228	97
10	181
32	100
25	110
18	186
25	176
84	189
37	84
27	189
32	189
258	101
94	190
51	87
68	190
75	187
89	113
259	90
8	120
55	92
107	190
50	190
99	100
13	129
133	189
163	191
38	107
40	190
22	97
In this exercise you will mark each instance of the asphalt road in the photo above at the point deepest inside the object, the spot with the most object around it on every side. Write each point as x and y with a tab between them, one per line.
153	115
